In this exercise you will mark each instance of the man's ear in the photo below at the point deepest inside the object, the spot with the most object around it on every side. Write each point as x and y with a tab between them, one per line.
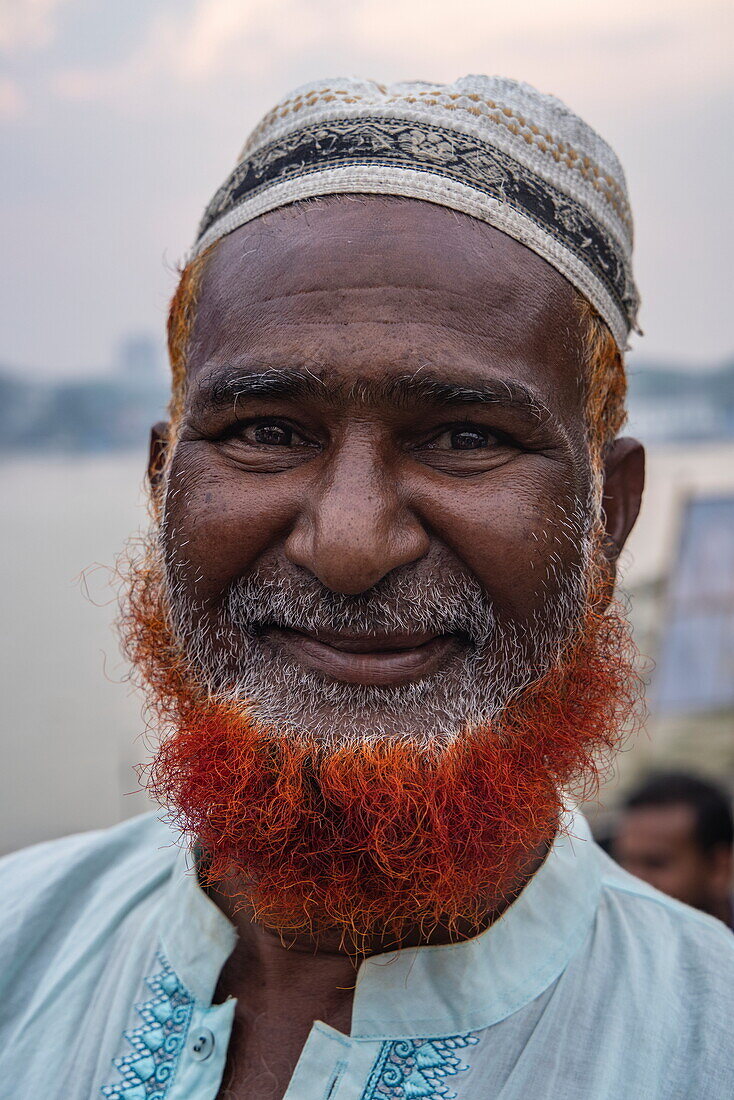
157	454
624	480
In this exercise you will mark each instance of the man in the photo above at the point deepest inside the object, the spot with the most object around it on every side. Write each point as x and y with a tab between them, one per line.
676	832
375	626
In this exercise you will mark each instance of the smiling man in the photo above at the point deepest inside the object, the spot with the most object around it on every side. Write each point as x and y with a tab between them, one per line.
374	620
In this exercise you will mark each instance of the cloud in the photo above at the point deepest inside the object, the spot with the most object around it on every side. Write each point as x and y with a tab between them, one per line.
12	100
221	35
27	24
624	50
215	41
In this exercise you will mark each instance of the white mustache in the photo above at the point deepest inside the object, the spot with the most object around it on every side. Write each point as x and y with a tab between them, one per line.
402	602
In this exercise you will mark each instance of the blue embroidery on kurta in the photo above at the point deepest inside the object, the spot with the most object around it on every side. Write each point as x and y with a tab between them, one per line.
147	1072
415	1069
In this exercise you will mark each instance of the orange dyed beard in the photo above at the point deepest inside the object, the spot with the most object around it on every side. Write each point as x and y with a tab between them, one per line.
375	839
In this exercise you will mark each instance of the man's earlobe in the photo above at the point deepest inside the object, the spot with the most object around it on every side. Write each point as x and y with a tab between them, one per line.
624	481
159	436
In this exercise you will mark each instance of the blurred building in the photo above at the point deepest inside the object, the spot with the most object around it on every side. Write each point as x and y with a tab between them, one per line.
695	670
691	694
139	357
681	592
681	406
111	410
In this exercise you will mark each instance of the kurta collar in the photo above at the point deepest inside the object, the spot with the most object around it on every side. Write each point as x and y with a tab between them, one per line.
196	936
456	988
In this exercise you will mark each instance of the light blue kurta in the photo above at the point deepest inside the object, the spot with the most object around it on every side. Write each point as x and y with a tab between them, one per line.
591	987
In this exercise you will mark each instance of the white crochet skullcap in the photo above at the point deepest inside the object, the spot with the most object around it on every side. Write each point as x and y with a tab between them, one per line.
487	146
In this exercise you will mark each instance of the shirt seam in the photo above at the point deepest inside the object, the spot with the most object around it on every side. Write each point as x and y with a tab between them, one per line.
665	903
332	1033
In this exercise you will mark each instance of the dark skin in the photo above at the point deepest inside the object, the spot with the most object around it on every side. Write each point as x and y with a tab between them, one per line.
464	436
660	846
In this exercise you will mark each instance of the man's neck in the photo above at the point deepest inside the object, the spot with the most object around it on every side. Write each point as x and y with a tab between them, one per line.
281	989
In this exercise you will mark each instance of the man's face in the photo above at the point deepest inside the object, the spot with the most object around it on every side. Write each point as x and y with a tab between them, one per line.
659	845
377	512
373	637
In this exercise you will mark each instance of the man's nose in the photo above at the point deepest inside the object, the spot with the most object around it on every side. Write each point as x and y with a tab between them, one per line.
355	526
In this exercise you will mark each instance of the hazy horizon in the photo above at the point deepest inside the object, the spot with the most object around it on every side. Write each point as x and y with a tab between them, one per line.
636	361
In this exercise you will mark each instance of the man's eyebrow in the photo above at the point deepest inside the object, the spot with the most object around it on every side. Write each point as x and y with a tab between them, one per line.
226	387
419	388
429	389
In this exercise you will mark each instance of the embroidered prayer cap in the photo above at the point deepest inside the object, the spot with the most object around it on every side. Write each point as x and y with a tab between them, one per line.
487	146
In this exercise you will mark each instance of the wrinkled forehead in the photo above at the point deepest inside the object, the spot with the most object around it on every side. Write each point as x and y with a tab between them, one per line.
373	284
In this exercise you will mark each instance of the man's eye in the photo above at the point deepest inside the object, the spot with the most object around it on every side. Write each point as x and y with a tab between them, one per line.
270	434
466	438
469	439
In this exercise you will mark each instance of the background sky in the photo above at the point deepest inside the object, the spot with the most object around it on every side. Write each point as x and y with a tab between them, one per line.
119	119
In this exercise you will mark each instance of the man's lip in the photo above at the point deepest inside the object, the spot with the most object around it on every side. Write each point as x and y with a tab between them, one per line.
362	643
380	661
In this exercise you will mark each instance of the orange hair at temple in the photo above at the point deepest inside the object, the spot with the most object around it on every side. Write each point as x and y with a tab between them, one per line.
604	378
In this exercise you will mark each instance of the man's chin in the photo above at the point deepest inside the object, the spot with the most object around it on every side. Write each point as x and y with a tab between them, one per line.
335	727
301	703
454	688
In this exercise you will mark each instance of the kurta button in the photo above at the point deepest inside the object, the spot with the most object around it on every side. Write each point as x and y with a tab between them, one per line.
201	1044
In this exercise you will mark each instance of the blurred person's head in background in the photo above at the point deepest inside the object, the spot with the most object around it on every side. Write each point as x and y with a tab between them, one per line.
676	832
